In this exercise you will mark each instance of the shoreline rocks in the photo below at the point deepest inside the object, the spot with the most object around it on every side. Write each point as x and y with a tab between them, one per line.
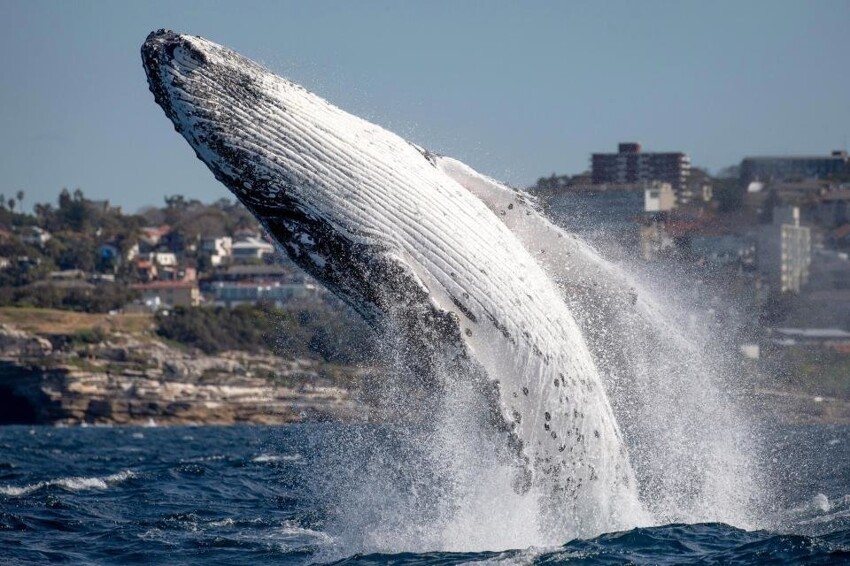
137	380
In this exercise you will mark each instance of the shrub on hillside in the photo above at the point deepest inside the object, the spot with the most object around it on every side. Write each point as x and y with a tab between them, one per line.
314	330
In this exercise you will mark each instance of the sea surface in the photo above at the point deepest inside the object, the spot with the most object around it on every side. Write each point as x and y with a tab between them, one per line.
245	495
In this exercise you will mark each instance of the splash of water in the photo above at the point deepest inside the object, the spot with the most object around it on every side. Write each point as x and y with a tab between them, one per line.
446	483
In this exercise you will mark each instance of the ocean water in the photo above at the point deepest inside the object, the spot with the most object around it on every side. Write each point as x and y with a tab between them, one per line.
257	495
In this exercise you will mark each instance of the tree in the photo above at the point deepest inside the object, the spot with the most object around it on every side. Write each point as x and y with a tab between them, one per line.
20	195
728	193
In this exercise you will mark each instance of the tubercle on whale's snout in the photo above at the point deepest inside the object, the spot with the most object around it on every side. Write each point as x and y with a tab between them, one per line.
162	63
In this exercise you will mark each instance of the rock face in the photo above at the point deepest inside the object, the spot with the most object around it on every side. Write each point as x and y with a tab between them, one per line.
134	381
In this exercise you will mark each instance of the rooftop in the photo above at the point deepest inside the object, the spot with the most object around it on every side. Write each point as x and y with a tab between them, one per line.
166	285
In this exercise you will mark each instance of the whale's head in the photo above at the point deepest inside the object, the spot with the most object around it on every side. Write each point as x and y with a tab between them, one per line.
215	98
311	173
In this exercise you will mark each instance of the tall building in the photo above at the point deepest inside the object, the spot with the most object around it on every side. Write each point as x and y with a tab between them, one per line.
784	251
787	168
630	165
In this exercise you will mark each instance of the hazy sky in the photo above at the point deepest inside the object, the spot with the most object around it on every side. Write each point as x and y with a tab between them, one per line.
516	89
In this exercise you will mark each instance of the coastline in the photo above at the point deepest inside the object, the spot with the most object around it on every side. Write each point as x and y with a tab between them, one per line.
65	368
55	369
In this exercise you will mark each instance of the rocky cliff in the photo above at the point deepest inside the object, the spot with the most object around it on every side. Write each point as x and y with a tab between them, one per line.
139	379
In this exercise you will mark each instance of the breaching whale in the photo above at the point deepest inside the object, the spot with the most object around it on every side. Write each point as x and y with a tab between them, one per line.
392	229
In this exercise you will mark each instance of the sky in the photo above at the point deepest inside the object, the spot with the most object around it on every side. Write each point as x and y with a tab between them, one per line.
518	90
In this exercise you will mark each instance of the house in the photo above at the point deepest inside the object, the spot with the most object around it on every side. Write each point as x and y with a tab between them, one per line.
157	294
111	252
253	272
152	236
177	274
67	275
251	249
34	236
218	249
232	293
147	270
163	259
658	197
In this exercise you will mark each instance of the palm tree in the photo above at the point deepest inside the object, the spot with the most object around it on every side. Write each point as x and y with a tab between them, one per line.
20	196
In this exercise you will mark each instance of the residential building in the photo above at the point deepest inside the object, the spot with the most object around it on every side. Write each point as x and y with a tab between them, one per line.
158	294
219	249
264	272
833	208
152	236
631	165
34	236
793	167
147	270
232	293
163	259
784	251
111	252
659	197
251	248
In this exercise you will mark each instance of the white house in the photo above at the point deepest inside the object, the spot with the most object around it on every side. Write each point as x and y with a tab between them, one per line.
35	236
251	248
163	259
219	249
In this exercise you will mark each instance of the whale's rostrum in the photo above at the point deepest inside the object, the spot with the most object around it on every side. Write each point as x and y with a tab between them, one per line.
380	224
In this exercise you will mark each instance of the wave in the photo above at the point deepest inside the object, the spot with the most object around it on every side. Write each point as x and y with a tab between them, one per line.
264	458
70	484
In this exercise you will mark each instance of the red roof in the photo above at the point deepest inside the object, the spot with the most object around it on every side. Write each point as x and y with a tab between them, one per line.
841	232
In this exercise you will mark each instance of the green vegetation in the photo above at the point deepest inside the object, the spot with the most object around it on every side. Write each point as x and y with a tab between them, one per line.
102	298
310	331
49	321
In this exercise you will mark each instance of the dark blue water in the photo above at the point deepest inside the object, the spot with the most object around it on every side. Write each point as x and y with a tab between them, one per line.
247	495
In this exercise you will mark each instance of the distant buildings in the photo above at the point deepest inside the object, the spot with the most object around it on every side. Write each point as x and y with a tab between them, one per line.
232	293
784	251
659	197
218	249
787	168
251	248
630	165
157	294
34	236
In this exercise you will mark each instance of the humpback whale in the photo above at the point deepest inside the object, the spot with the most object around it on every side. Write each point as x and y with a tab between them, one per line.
403	236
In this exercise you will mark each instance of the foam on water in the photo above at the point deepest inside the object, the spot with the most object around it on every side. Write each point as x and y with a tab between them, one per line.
71	484
265	458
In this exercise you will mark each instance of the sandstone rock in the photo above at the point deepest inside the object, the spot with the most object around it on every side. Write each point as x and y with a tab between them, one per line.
129	381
